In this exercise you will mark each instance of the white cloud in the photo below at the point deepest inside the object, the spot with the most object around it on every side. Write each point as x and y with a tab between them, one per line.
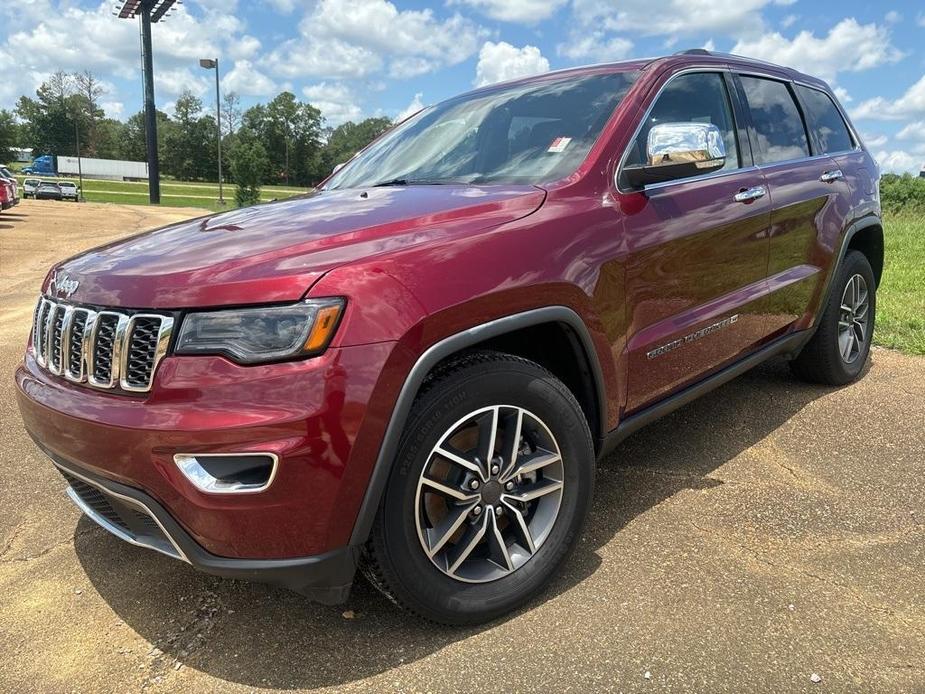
283	6
898	161
416	105
175	82
849	46
789	21
520	11
355	38
594	45
113	109
913	131
674	17
501	61
909	105
44	36
893	17
336	102
875	141
248	80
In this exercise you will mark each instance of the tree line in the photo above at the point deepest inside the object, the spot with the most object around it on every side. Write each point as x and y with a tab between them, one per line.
282	142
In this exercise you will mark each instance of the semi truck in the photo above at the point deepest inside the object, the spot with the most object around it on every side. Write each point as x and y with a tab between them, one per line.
50	165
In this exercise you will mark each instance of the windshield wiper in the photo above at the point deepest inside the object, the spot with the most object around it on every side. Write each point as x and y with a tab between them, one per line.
417	182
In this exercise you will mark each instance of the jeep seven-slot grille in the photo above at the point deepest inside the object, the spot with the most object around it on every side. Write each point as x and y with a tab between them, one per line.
104	349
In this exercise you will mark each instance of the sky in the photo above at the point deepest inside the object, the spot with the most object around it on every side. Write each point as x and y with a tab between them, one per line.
360	58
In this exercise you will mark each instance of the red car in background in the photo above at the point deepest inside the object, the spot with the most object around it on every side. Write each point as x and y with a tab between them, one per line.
7	176
7	195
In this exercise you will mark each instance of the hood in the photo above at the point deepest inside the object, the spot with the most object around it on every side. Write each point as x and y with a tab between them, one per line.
275	252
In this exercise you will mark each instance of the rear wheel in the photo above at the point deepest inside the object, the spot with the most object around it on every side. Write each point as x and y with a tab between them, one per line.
491	486
837	353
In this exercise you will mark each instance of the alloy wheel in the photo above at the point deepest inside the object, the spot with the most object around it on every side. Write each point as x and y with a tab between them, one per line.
854	319
489	494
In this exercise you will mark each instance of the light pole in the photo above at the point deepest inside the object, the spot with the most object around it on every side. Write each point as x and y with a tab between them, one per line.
212	64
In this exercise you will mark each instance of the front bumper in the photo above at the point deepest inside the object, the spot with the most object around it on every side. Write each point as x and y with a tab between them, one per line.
135	517
311	414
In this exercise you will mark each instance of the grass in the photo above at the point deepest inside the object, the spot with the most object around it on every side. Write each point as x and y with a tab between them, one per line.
901	295
173	193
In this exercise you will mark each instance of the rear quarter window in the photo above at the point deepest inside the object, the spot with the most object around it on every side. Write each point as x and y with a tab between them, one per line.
828	128
777	121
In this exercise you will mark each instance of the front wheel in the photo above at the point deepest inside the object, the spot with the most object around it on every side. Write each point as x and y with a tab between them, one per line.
837	353
491	486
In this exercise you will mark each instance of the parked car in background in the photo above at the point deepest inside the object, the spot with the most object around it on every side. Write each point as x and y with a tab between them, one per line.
48	191
29	186
414	370
69	190
8	176
6	194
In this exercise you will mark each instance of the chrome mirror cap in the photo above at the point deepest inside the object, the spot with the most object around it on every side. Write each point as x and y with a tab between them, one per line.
700	144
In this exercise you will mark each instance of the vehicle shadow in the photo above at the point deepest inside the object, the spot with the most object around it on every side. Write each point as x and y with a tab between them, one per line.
266	637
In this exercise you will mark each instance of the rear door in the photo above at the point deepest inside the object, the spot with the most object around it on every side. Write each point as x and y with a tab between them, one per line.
808	195
697	250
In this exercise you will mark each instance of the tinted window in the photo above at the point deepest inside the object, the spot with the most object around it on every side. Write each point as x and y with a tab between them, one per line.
695	98
777	121
527	133
825	121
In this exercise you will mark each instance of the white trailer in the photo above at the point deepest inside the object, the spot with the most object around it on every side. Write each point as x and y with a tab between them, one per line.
103	168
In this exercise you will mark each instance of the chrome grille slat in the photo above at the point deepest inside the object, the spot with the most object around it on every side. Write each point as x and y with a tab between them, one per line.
105	349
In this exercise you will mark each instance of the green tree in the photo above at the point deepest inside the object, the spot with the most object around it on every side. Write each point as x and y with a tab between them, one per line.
9	136
135	147
190	145
290	132
248	162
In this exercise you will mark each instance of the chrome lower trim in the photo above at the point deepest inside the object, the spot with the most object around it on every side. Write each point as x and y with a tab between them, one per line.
115	529
200	478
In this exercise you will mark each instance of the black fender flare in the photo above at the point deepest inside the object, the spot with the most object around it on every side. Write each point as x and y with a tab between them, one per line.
856	227
437	353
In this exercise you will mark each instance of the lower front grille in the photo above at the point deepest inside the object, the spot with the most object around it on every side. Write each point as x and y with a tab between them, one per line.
124	517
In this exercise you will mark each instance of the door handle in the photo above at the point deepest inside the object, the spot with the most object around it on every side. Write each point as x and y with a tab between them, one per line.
750	194
831	176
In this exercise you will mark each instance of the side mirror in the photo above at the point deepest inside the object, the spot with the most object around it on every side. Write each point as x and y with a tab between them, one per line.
679	150
338	167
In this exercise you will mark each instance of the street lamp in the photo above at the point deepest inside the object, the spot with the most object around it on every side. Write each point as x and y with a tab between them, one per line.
212	64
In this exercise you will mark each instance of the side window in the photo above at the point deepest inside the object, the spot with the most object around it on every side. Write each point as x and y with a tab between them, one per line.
699	97
777	121
825	121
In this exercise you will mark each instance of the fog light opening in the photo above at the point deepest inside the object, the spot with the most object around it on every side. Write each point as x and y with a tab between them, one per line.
228	473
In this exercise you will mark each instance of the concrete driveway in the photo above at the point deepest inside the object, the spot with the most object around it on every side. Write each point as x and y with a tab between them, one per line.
770	533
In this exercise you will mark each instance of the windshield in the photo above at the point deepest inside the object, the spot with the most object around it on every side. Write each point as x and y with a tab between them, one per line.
529	133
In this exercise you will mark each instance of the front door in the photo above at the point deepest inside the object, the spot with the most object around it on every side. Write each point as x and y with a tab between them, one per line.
697	252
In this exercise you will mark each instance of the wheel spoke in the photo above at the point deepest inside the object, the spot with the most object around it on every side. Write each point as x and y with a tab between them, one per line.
535	461
511	443
534	491
469	545
497	547
859	333
488	434
861	313
458	459
446	490
440	535
520	526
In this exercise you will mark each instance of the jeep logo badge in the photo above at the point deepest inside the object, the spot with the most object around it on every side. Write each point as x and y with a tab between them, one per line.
62	285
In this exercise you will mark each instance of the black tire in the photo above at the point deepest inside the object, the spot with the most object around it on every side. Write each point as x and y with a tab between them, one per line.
396	561
821	360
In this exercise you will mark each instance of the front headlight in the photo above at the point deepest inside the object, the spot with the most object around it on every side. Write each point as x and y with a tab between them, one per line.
255	335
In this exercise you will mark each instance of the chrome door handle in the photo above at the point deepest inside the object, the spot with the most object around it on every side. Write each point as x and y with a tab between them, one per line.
831	176
750	194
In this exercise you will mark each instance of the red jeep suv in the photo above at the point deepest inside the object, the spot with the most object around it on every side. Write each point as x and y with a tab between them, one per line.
413	370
